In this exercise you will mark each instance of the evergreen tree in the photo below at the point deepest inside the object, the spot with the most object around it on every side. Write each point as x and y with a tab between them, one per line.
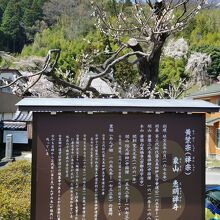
32	12
128	3
1	14
3	4
25	4
11	26
10	21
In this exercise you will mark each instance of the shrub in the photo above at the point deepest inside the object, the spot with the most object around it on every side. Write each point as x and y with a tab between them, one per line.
15	191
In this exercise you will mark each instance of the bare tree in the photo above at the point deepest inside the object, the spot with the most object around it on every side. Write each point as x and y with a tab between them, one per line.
146	25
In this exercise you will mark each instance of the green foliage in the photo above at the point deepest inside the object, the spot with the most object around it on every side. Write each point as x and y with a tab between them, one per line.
203	35
204	29
72	51
171	71
16	19
11	19
15	188
3	4
125	74
31	11
214	52
128	3
30	16
74	34
112	7
1	14
13	35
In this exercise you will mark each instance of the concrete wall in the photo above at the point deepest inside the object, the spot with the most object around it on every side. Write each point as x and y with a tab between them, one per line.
6	116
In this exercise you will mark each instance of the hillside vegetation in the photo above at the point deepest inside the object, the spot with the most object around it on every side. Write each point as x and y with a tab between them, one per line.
32	27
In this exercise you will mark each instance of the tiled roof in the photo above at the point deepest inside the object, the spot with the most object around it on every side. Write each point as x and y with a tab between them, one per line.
14	125
23	116
211	90
19	122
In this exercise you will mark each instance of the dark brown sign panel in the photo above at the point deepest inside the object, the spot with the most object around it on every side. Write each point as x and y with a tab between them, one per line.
116	166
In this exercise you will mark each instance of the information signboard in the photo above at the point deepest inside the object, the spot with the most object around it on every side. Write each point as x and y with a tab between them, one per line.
118	166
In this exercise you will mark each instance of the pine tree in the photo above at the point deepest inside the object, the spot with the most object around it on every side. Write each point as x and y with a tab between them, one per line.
11	25
10	20
128	3
1	14
3	4
32	13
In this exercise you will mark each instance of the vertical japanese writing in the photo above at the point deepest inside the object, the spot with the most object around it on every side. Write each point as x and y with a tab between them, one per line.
157	160
84	178
149	152
176	195
103	163
91	151
127	155
149	202
72	151
77	179
141	152
52	148
119	175
96	177
127	176
149	171
177	168
111	168
134	159
164	153
188	152
193	149
59	175
124	171
67	160
47	146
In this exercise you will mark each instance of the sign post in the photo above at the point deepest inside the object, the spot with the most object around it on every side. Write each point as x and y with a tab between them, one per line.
8	148
115	161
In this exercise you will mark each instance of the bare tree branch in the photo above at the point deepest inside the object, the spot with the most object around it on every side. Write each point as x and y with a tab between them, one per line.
140	33
47	69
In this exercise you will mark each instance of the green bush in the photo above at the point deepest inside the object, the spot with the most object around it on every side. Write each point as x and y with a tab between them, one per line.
15	191
171	70
71	50
203	29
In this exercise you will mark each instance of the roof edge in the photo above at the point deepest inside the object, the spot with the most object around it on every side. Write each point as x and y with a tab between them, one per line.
204	95
115	105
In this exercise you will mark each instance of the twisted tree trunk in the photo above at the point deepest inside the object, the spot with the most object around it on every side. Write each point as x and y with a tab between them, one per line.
148	67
